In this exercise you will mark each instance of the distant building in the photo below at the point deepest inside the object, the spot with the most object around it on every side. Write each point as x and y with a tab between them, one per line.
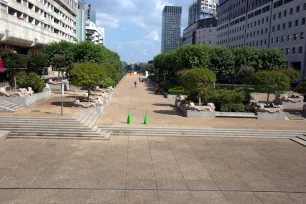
94	33
202	9
29	23
202	32
90	13
265	24
171	28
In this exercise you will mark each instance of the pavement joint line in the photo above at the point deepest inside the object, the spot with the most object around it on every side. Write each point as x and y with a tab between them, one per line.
157	189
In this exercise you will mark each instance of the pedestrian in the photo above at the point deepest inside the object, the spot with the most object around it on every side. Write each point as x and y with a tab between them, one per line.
156	90
135	83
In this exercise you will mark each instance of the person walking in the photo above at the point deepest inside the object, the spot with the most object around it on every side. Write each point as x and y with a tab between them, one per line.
135	83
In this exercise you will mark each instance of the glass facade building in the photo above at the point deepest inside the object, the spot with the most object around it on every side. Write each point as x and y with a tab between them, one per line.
171	28
202	9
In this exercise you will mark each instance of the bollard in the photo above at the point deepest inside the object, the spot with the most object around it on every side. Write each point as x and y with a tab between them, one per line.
129	118
146	120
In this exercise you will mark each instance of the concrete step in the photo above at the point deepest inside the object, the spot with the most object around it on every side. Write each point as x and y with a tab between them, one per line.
59	138
236	114
71	131
302	137
8	106
36	118
299	141
44	128
75	134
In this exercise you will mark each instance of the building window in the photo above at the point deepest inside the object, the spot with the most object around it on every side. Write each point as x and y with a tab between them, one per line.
267	19
266	30
304	6
297	9
291	11
285	13
283	39
296	22
295	36
301	49
272	40
274	16
302	35
279	15
289	24
277	39
265	41
278	27
254	23
287	51
288	38
303	21
293	50
284	26
273	28
262	21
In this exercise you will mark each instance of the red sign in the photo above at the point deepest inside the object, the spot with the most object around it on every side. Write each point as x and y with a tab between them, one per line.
1	66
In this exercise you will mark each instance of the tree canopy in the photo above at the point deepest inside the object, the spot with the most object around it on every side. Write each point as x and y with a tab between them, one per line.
271	82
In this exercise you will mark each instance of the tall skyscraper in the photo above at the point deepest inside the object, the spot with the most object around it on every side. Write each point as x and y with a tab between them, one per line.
202	9
171	28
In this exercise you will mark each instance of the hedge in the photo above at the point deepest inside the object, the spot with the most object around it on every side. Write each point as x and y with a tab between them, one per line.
239	107
177	90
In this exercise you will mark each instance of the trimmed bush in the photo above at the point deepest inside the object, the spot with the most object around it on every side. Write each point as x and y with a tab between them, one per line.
222	97
232	107
176	90
302	88
30	80
293	75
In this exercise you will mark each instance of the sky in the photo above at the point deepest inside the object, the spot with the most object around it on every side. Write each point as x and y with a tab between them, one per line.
133	27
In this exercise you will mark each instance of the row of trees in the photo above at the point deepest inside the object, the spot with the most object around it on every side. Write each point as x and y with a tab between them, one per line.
63	56
223	61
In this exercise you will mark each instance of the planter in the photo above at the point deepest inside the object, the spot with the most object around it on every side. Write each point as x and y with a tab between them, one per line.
199	114
28	100
271	116
293	106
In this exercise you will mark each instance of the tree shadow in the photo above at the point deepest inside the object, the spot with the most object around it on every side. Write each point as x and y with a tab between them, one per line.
65	104
169	112
163	105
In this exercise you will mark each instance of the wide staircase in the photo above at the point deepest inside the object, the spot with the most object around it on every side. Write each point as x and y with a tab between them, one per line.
6	106
82	127
300	140
201	132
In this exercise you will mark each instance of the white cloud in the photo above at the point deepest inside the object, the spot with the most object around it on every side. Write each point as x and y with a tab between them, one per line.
107	21
153	36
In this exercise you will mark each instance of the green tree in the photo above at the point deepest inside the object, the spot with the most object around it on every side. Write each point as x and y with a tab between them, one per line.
247	56
293	75
67	49
37	61
88	75
272	59
246	74
13	62
198	81
150	68
222	61
193	56
271	82
111	71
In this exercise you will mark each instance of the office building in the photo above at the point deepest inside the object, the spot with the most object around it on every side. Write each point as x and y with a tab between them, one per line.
171	28
201	9
29	23
94	33
202	32
265	24
90	13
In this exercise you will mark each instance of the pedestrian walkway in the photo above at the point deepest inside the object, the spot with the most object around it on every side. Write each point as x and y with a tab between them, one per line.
162	113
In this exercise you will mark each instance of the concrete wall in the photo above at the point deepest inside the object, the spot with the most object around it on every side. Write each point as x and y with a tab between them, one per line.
28	100
271	116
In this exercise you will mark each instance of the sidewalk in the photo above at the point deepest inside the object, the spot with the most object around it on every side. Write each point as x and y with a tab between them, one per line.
162	113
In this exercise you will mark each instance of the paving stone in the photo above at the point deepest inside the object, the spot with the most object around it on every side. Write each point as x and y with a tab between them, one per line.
209	197
175	197
135	196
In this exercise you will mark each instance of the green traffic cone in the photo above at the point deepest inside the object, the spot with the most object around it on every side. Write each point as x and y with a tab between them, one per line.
129	118
146	120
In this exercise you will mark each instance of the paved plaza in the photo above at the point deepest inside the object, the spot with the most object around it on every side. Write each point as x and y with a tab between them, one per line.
164	170
162	113
153	170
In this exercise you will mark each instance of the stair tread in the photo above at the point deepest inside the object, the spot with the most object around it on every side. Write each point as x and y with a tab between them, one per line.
302	137
299	141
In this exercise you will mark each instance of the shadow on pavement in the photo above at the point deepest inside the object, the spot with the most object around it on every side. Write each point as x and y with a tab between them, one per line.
163	104
65	104
169	112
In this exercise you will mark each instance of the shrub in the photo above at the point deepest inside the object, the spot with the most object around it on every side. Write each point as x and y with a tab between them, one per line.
177	90
170	84
302	88
221	97
229	86
109	82
37	61
232	107
293	75
30	80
